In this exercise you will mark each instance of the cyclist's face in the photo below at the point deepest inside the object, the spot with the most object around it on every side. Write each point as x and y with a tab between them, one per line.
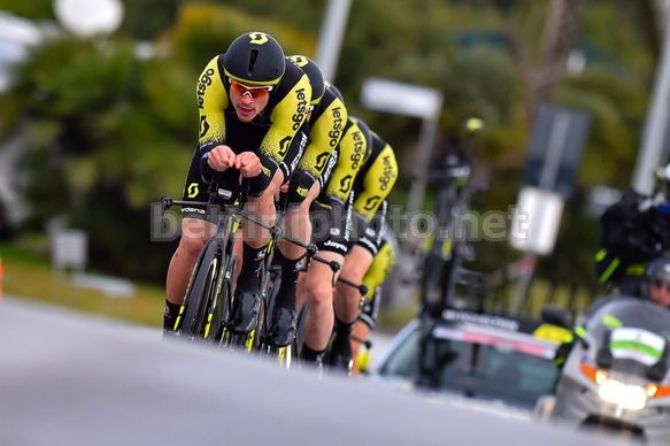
659	292
248	102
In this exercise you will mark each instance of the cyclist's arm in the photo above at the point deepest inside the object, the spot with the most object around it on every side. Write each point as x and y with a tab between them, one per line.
212	101
286	119
351	153
377	184
325	134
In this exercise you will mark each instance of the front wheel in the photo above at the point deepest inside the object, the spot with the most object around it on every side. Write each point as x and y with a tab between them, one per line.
201	292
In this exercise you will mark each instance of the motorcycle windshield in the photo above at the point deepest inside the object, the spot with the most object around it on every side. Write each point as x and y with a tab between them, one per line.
631	336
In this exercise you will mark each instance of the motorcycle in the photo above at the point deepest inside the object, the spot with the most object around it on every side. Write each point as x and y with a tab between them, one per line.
615	378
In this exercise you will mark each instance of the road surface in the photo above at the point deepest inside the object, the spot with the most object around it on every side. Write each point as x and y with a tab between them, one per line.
69	379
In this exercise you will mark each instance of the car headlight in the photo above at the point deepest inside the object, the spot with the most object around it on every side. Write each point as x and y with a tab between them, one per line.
627	396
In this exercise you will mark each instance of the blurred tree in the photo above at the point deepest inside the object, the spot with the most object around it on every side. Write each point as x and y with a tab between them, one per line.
542	62
305	15
33	9
205	30
145	19
100	148
108	132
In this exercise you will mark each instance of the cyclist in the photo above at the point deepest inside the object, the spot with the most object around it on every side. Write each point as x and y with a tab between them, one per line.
331	214
323	130
373	184
373	280
635	230
251	105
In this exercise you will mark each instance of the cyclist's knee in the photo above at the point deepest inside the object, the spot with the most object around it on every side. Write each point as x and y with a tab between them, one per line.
191	246
319	293
357	262
195	233
353	271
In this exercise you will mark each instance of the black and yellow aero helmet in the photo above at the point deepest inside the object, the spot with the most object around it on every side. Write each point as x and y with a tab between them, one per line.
314	74
255	58
335	91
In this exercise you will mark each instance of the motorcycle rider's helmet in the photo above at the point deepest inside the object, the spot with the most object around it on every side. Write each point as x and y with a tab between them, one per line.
657	275
659	269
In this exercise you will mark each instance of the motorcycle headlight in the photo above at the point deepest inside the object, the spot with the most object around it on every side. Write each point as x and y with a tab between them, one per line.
628	396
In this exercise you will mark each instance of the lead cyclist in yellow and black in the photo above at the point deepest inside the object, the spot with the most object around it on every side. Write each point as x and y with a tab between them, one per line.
251	104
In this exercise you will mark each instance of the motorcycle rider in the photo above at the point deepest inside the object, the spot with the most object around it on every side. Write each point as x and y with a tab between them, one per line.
655	288
635	231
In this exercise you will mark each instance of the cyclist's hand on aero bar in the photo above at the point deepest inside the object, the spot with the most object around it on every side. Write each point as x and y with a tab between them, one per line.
249	164
221	158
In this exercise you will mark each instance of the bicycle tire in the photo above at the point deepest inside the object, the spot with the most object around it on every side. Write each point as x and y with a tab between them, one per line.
259	330
200	288
221	308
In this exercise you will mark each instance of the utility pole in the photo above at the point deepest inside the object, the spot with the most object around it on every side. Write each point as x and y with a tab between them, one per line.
330	39
653	137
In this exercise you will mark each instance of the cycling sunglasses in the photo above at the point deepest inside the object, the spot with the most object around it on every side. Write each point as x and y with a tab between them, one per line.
657	283
256	92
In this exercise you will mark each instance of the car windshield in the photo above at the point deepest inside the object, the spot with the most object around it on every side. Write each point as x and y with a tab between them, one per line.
475	367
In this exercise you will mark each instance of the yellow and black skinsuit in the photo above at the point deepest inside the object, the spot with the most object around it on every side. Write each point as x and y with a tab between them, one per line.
269	135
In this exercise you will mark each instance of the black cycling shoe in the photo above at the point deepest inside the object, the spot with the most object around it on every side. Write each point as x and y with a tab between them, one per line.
282	330
341	362
340	357
244	312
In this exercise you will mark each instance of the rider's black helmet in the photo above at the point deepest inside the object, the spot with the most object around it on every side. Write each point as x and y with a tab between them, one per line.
335	91
255	58
314	74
